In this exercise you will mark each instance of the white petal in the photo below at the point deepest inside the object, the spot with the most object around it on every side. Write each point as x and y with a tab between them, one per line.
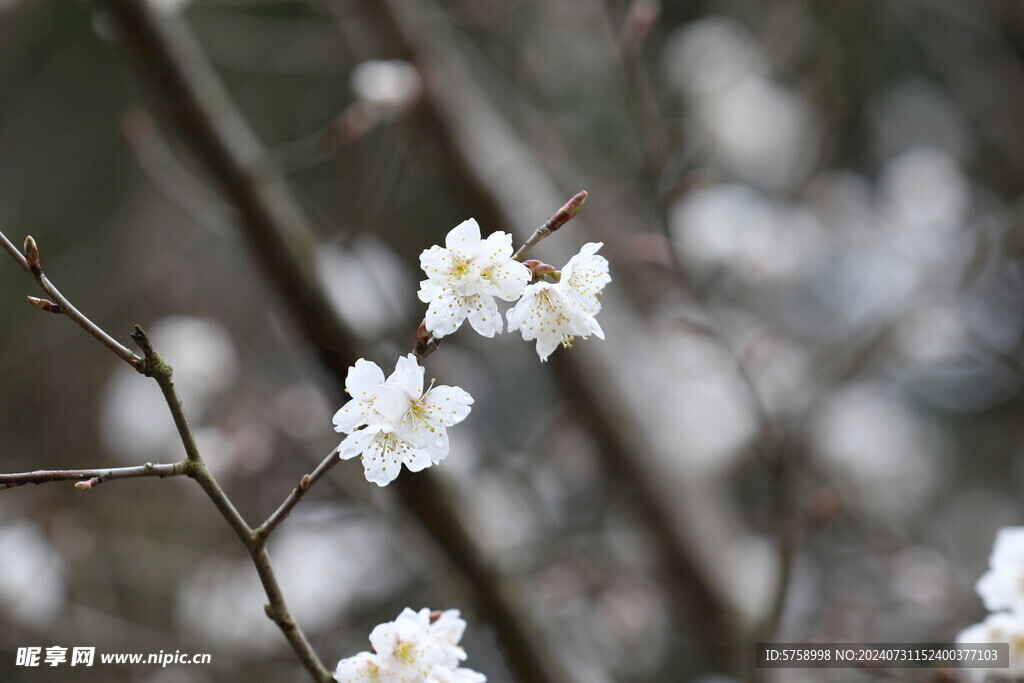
383	638
497	247
464	238
546	344
417	459
446	313
447	405
356	442
518	313
408	376
429	291
351	415
392	404
363	379
505	278
436	262
483	314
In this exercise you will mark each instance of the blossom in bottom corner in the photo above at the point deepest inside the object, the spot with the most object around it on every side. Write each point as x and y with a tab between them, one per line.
417	647
362	668
1002	586
1000	627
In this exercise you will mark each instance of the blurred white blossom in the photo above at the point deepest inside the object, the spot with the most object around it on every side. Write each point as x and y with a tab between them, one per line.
1002	586
386	86
365	281
1001	627
750	127
170	6
735	227
134	422
325	567
889	455
32	586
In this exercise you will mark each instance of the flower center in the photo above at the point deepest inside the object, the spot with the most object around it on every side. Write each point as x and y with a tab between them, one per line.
406	652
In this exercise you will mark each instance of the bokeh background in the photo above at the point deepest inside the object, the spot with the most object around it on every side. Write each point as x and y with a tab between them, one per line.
804	423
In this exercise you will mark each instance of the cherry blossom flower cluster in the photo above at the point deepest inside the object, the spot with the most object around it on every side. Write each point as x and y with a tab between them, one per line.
466	275
1001	588
393	421
417	647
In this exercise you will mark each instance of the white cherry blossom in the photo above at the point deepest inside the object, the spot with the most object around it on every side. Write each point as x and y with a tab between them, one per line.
405	650
549	314
465	275
394	422
417	647
556	313
1002	586
999	627
421	417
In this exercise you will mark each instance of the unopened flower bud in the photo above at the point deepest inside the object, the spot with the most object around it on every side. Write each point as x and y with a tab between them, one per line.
539	268
31	252
44	305
566	213
422	334
573	206
305	482
83	485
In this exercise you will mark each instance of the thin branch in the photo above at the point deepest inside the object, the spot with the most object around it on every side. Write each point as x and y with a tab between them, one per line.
152	365
557	220
66	308
94	477
277	609
263	531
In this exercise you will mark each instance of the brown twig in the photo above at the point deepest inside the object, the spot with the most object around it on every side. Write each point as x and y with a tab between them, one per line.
35	270
557	220
264	530
93	476
277	609
152	365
